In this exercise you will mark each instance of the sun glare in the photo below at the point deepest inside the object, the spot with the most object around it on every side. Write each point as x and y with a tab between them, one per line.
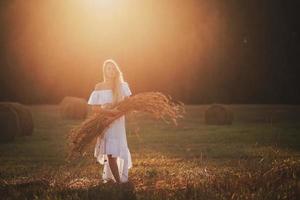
143	36
101	5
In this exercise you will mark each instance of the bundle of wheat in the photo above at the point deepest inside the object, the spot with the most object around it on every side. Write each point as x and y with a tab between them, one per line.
156	104
16	120
73	108
218	114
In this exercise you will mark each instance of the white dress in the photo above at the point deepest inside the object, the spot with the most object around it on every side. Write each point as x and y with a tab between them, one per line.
114	140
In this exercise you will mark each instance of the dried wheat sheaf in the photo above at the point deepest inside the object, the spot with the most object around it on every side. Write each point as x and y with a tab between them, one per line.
158	105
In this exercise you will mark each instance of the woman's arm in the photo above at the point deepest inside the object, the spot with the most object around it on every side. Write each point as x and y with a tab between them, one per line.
105	108
96	108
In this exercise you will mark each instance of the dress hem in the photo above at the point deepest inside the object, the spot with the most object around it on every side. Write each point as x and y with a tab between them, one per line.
102	157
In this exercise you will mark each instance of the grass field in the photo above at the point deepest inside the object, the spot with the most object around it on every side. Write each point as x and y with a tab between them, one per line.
255	158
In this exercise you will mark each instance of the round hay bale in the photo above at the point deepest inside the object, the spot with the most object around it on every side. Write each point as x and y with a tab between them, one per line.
73	108
9	123
24	116
218	114
26	119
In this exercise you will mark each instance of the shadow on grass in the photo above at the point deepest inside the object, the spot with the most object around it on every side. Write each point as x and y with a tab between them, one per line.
42	189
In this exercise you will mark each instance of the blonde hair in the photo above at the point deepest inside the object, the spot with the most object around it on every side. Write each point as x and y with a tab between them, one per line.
117	94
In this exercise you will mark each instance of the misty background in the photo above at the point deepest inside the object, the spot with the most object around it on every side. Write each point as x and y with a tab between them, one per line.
197	51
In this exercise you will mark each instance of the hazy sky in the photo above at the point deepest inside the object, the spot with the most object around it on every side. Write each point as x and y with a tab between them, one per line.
198	51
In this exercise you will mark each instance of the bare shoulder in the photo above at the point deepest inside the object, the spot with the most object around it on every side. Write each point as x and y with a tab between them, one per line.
100	86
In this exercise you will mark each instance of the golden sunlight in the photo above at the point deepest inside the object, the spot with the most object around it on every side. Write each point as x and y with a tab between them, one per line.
63	36
149	99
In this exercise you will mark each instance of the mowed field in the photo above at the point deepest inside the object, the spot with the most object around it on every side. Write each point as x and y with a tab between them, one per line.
257	157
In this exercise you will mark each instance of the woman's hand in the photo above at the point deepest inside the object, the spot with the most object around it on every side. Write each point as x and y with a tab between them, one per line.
110	109
107	108
114	111
95	109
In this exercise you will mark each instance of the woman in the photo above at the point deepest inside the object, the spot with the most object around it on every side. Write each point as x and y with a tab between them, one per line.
111	149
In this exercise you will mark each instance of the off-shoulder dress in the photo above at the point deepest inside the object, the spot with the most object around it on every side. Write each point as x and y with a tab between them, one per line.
114	140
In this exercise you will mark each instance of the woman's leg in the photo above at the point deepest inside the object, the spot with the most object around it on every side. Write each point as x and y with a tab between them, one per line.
114	167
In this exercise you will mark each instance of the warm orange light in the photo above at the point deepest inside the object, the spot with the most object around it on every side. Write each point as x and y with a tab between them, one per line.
70	39
100	3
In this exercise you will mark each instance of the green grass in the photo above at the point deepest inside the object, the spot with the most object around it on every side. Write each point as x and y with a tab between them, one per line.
191	161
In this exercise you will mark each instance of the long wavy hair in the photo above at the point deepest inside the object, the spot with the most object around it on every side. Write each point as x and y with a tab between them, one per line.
116	89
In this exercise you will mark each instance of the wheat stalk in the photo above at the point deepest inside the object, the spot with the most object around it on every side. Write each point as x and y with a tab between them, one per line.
158	105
